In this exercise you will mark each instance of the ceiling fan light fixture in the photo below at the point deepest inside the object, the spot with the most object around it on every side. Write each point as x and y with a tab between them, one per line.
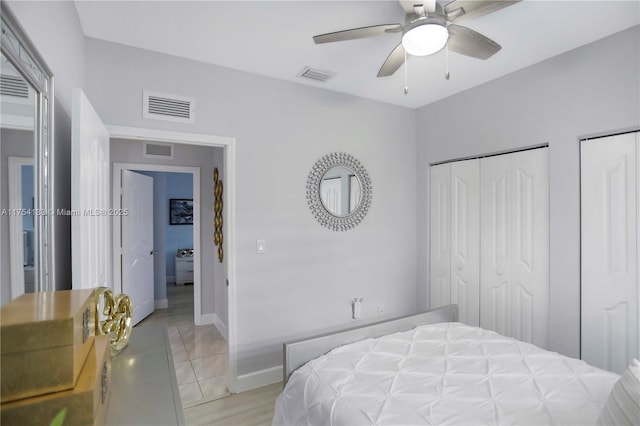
425	39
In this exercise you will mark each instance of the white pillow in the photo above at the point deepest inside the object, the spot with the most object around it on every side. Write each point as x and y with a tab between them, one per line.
623	405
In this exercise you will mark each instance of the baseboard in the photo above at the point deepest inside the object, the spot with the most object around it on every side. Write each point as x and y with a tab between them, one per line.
205	319
259	378
220	325
161	304
171	279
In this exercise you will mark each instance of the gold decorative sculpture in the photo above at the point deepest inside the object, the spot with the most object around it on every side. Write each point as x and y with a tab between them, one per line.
118	321
217	219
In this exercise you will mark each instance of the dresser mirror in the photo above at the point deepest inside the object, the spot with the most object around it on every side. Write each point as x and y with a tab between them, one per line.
26	96
339	191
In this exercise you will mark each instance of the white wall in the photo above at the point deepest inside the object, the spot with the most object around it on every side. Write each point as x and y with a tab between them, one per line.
592	90
55	30
303	282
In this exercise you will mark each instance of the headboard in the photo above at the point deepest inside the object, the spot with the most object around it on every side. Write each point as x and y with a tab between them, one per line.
299	352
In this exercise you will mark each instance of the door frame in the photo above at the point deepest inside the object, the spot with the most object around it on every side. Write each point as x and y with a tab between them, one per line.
118	168
16	258
229	212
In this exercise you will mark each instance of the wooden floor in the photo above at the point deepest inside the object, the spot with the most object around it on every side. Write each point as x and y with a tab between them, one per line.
249	408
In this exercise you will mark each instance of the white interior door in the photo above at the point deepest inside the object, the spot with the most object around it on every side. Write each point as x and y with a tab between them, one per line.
137	242
609	197
91	221
515	245
440	264
465	240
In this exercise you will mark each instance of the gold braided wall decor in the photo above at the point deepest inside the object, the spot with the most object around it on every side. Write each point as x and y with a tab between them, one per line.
217	208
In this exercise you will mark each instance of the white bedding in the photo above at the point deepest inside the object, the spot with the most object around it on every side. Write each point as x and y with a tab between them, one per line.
443	374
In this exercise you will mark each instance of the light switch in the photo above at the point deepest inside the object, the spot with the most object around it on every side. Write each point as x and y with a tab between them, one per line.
261	246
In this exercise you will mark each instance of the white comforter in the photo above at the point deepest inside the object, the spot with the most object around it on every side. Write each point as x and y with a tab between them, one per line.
443	374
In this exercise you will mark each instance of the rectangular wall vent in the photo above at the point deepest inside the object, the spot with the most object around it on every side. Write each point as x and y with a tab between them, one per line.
160	106
158	150
13	86
315	75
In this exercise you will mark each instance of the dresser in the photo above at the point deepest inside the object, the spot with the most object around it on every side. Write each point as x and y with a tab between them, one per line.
184	270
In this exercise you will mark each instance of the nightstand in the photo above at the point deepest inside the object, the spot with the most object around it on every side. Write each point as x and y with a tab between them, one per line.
184	270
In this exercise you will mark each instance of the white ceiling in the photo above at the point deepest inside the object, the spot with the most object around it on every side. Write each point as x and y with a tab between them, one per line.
274	39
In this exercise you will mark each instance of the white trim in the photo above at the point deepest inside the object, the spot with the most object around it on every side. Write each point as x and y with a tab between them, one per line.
117	239
229	145
206	319
259	378
161	304
220	325
16	252
137	133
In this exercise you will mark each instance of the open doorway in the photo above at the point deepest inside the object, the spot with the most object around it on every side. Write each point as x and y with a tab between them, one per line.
92	183
197	330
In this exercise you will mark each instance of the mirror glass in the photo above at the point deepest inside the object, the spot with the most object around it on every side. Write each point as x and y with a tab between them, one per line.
26	119
340	191
17	147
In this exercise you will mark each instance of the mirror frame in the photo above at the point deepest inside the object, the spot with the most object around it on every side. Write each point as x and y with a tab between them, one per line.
324	216
20	51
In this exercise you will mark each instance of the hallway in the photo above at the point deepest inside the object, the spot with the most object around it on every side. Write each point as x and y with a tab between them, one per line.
199	352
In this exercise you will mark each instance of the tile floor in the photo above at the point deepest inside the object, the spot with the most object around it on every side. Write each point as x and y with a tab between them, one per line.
200	359
199	352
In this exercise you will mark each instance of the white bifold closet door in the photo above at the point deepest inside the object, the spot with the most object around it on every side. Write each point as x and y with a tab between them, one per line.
514	215
610	184
455	248
490	242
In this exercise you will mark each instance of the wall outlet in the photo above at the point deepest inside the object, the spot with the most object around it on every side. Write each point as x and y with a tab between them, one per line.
380	310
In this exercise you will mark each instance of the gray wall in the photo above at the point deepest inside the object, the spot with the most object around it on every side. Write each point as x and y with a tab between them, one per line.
18	143
303	283
55	30
591	90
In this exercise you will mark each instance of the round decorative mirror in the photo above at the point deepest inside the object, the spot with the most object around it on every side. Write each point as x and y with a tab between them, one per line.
339	191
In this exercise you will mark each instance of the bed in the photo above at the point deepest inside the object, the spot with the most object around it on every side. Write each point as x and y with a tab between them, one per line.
431	369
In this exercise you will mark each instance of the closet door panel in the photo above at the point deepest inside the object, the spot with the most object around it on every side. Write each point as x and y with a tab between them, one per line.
495	244
440	274
530	246
514	265
609	180
465	240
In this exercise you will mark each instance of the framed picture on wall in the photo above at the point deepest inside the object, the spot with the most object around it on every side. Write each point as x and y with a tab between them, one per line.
180	211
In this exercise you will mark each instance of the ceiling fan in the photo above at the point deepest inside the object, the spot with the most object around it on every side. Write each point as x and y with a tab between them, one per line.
428	27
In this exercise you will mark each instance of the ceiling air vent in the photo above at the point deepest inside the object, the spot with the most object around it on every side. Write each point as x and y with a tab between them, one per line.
315	75
158	150
160	106
13	86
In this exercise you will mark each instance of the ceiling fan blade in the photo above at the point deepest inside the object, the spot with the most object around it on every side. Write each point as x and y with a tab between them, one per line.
468	42
463	10
393	62
409	5
357	33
